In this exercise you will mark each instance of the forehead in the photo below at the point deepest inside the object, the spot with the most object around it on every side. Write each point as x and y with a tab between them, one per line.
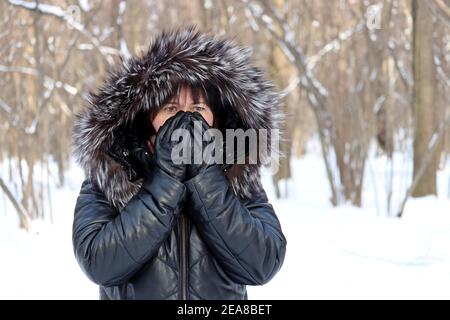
194	93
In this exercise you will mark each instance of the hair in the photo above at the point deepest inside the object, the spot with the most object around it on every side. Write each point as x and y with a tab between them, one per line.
142	125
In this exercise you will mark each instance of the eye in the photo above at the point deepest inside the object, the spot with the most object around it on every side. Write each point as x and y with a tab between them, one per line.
171	108
200	107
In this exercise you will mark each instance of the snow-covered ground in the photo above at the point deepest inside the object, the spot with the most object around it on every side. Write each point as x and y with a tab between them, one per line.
40	264
343	252
352	253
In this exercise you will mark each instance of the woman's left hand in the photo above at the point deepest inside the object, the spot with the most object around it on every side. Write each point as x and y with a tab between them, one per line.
198	144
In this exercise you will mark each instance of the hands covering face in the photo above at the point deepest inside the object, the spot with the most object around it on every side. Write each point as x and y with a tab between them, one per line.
164	145
136	156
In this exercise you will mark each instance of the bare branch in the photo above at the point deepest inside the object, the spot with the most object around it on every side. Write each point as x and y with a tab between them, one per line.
58	12
122	41
5	106
444	8
22	212
268	15
289	47
48	81
404	75
312	61
428	157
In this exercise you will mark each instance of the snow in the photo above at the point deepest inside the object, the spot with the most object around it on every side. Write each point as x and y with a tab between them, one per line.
207	4
85	5
256	9
122	8
287	51
433	140
313	99
40	264
267	20
4	106
343	252
379	103
352	253
124	48
45	8
251	21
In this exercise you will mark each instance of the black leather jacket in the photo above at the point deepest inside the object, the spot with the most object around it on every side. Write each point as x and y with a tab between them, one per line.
196	240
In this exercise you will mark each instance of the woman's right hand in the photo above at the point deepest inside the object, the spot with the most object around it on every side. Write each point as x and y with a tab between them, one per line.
163	146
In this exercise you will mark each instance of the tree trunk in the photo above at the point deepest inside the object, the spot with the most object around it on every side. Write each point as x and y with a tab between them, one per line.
281	71
424	96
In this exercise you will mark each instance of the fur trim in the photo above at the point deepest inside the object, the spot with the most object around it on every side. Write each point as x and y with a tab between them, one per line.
144	83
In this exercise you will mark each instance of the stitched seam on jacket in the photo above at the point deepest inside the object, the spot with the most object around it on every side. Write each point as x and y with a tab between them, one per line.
121	277
124	244
96	235
180	195
170	294
225	244
125	274
156	215
141	262
170	266
195	293
198	260
245	248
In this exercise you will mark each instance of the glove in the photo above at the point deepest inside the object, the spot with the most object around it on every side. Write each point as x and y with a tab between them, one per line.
197	143
164	146
231	155
133	155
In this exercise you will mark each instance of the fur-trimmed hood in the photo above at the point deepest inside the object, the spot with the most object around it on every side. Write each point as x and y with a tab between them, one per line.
145	82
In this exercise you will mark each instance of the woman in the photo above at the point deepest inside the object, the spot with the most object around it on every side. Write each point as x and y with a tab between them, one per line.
146	227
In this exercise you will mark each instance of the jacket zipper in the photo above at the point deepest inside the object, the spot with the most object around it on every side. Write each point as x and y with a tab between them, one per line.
184	257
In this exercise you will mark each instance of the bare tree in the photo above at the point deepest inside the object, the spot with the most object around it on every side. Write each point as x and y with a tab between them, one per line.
344	184
350	86
424	96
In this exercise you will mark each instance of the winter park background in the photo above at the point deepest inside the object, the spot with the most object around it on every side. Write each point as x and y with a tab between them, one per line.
366	91
334	253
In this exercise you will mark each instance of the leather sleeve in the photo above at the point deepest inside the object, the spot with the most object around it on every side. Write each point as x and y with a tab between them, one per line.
244	236
111	246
